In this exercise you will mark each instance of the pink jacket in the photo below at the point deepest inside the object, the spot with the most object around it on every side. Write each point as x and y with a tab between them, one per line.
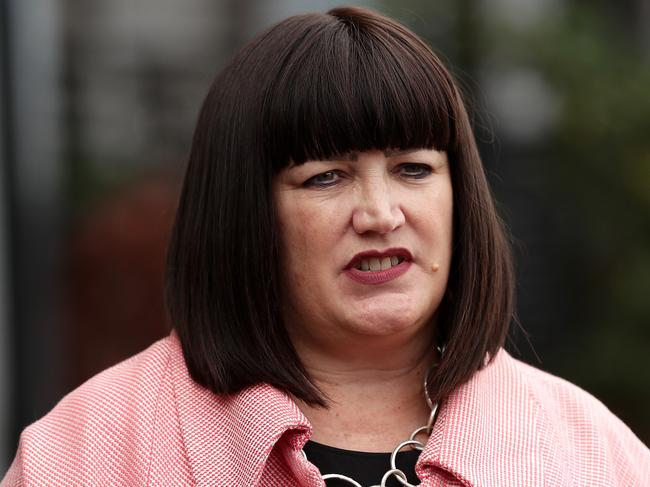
145	422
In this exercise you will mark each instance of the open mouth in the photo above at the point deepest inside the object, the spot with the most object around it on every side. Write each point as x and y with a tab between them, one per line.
377	261
378	267
377	264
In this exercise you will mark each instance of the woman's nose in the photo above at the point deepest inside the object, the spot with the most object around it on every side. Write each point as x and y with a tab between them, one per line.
376	210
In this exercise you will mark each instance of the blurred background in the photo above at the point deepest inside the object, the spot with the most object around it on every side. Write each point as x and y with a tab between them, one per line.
97	105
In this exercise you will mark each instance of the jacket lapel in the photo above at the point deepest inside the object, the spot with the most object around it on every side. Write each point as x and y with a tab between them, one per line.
492	431
228	440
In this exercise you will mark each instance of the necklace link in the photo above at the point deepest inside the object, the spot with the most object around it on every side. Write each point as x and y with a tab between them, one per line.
412	442
394	471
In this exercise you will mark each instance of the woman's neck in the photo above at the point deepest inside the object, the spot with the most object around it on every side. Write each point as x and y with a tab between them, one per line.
375	399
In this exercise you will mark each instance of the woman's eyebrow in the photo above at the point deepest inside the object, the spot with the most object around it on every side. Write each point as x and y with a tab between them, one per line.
350	156
395	153
354	155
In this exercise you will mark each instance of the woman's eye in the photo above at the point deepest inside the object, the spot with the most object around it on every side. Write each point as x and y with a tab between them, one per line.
323	180
414	171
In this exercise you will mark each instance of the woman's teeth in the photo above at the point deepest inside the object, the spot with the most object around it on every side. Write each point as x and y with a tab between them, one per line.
375	264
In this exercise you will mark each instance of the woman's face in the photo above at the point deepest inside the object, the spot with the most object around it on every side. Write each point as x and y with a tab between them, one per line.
366	244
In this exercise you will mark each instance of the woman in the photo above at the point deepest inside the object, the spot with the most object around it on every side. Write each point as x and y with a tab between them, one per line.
340	287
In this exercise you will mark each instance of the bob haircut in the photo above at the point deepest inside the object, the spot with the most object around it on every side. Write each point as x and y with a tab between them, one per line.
312	87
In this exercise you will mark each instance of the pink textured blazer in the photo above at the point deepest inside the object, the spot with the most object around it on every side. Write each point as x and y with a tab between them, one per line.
145	422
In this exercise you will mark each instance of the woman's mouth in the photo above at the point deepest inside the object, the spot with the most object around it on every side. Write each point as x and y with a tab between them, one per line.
378	276
375	267
375	264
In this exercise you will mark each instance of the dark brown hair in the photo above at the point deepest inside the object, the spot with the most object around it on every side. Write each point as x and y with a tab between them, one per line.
312	87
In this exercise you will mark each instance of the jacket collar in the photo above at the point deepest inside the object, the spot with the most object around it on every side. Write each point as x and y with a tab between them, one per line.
483	430
252	422
491	430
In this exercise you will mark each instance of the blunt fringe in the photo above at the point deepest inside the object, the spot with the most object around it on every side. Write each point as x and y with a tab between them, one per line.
312	87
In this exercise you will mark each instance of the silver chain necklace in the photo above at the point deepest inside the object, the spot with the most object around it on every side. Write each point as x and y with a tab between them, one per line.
411	442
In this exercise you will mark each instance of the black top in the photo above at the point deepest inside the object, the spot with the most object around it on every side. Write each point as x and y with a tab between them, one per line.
365	468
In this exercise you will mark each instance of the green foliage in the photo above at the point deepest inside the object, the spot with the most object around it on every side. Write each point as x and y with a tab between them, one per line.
596	188
600	156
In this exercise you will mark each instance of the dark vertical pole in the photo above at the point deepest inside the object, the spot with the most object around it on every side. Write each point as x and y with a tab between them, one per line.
468	34
8	316
33	177
239	17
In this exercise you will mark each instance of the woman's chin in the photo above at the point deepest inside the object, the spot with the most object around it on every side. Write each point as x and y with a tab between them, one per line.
388	314
386	322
